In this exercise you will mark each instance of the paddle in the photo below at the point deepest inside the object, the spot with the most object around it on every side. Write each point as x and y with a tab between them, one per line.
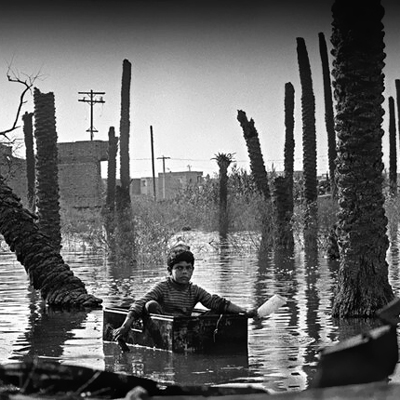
271	305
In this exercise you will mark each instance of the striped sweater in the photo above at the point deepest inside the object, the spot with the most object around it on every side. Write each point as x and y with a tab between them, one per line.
178	300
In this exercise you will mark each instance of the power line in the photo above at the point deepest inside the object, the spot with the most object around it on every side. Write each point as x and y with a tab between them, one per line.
92	101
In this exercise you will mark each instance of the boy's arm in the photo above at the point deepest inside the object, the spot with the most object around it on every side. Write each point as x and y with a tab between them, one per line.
136	310
124	328
232	308
222	305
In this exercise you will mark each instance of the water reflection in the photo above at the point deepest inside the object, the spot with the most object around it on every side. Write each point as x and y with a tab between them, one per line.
166	367
282	350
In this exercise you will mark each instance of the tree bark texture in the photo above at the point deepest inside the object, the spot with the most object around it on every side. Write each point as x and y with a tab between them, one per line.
47	272
109	211
308	119
289	143
282	213
125	229
329	114
254	150
358	50
397	86
125	125
223	161
111	169
47	190
392	149
30	159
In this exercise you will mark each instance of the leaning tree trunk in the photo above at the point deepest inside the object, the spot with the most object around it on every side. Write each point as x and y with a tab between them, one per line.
392	149
47	191
358	50
308	119
329	115
289	143
223	161
256	159
260	176
30	159
36	252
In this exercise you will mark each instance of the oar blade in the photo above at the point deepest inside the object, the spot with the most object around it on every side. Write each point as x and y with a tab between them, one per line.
271	305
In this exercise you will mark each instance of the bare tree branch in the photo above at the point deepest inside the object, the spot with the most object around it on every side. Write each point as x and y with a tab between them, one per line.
28	83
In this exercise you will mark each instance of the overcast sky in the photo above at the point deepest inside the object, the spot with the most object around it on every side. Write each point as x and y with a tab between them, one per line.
194	64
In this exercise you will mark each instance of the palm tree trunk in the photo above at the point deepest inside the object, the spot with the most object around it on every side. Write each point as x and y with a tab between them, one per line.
358	49
111	169
289	143
256	159
397	85
282	215
223	161
260	177
392	149
109	212
124	132
48	206
125	229
329	115
30	159
42	260
308	118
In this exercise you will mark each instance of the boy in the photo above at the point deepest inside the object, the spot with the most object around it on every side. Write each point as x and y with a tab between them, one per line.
176	295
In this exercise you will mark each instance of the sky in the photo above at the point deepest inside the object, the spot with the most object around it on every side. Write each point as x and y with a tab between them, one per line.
195	63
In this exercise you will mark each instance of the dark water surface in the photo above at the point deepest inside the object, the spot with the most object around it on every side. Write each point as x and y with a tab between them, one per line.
282	351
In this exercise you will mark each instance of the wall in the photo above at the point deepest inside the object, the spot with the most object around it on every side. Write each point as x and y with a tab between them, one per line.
13	170
176	181
79	173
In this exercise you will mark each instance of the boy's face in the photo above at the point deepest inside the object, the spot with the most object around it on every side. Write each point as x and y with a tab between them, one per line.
182	272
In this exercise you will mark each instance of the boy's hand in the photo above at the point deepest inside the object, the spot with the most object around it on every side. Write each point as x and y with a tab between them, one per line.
119	332
252	313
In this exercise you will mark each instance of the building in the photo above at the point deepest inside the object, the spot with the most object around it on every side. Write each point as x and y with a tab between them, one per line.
172	182
79	176
168	184
13	170
79	173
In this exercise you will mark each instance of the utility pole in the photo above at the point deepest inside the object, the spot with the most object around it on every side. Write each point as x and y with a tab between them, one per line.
152	161
92	101
163	158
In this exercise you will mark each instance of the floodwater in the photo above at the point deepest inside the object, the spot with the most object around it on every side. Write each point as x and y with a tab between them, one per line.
282	350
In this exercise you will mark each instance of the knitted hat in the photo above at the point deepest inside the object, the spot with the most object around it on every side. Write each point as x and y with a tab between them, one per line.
179	252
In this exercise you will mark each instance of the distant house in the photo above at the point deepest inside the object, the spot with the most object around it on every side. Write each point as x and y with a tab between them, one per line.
146	186
172	182
166	185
